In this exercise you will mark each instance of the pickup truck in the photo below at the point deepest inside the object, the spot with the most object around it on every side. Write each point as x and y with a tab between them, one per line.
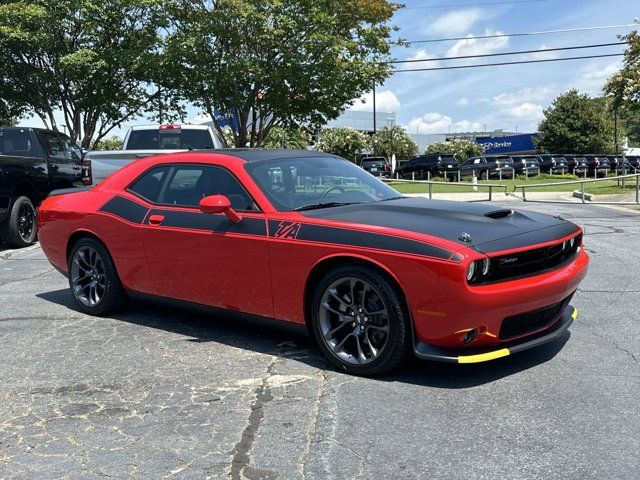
33	162
144	141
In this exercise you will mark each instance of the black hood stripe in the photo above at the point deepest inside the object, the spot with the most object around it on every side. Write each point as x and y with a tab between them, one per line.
354	238
126	209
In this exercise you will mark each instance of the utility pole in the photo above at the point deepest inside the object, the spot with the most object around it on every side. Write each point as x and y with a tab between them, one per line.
615	129
374	107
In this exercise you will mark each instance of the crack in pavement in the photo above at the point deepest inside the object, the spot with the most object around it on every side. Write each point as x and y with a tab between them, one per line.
41	274
612	342
240	455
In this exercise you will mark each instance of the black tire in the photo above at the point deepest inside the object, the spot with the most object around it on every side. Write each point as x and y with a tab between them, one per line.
397	346
110	294
19	228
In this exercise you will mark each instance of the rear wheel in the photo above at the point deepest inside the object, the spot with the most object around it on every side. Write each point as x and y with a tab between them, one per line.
19	228
93	279
359	321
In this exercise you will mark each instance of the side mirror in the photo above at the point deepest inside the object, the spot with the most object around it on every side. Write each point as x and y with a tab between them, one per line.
219	204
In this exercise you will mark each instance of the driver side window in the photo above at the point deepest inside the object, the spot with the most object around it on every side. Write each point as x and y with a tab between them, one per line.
188	184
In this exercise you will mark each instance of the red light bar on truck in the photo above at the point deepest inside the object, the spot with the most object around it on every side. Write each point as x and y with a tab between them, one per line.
170	127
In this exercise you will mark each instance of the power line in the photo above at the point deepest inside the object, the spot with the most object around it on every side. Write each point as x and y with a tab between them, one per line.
454	67
556	49
453	5
524	34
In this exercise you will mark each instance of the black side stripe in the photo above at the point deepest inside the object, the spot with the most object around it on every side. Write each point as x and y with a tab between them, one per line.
212	223
343	236
126	209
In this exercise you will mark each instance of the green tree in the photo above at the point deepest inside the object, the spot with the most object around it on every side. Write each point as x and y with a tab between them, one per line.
88	59
624	86
462	149
630	120
394	140
344	142
287	137
624	89
273	62
111	143
576	123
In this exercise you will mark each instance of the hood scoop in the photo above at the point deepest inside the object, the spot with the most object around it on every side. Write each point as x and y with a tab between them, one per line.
498	214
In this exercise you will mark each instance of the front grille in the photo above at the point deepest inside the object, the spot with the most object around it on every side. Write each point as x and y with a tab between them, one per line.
532	321
530	262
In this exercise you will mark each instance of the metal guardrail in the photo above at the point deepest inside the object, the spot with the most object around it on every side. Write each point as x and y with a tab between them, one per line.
523	187
431	183
619	178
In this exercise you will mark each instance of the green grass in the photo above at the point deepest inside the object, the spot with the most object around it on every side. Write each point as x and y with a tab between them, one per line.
599	188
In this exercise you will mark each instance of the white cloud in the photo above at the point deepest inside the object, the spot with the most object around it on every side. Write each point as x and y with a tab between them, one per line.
530	94
433	122
591	78
526	111
386	101
543	55
455	22
475	46
463	102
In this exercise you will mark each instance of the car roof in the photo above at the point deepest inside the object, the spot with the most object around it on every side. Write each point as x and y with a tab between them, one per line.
259	154
177	126
33	129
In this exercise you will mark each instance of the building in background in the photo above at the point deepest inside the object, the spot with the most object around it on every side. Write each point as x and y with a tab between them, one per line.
363	121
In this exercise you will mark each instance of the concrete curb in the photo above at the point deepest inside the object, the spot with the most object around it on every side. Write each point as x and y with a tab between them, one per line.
587	196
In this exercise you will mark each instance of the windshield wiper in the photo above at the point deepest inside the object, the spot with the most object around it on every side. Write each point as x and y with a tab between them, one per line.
391	198
315	206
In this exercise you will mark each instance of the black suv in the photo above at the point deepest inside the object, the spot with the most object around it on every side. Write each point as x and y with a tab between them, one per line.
597	164
632	162
490	166
33	162
376	166
577	164
422	167
526	165
550	163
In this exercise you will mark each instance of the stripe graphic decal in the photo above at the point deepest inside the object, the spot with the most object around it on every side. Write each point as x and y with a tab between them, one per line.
209	222
343	236
126	209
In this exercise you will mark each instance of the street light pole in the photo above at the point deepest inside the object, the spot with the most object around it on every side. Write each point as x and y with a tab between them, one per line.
374	107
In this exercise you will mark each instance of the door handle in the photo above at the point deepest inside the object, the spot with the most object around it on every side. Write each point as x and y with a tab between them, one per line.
156	219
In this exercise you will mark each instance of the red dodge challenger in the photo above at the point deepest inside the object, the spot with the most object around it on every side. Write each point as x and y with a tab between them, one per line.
310	238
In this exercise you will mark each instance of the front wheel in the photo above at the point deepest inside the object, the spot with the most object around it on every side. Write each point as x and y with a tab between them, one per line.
93	279
359	321
19	229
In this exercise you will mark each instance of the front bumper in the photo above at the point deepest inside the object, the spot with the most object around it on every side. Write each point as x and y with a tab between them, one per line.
460	355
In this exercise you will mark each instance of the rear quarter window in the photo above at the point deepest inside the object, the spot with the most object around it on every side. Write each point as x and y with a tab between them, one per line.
17	143
148	186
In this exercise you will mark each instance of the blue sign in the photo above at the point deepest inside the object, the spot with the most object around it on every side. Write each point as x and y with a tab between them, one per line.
508	144
229	120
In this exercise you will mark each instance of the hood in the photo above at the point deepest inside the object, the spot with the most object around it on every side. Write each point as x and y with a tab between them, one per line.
488	227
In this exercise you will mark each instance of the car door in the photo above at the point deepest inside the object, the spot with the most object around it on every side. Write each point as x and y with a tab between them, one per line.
60	168
73	155
206	258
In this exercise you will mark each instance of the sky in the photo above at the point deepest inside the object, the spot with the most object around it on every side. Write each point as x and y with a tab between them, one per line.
507	97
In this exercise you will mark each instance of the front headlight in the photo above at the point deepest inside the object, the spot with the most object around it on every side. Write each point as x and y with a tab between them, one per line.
471	270
479	270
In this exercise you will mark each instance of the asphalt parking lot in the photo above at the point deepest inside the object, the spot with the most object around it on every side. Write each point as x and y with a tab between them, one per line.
159	393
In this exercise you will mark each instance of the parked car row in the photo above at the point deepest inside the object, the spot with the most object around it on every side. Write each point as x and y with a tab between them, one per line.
422	167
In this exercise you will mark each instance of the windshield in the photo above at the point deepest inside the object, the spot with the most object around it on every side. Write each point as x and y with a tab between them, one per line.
171	139
316	182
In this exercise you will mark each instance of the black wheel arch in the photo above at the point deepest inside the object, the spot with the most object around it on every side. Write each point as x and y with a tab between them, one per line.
328	264
78	235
